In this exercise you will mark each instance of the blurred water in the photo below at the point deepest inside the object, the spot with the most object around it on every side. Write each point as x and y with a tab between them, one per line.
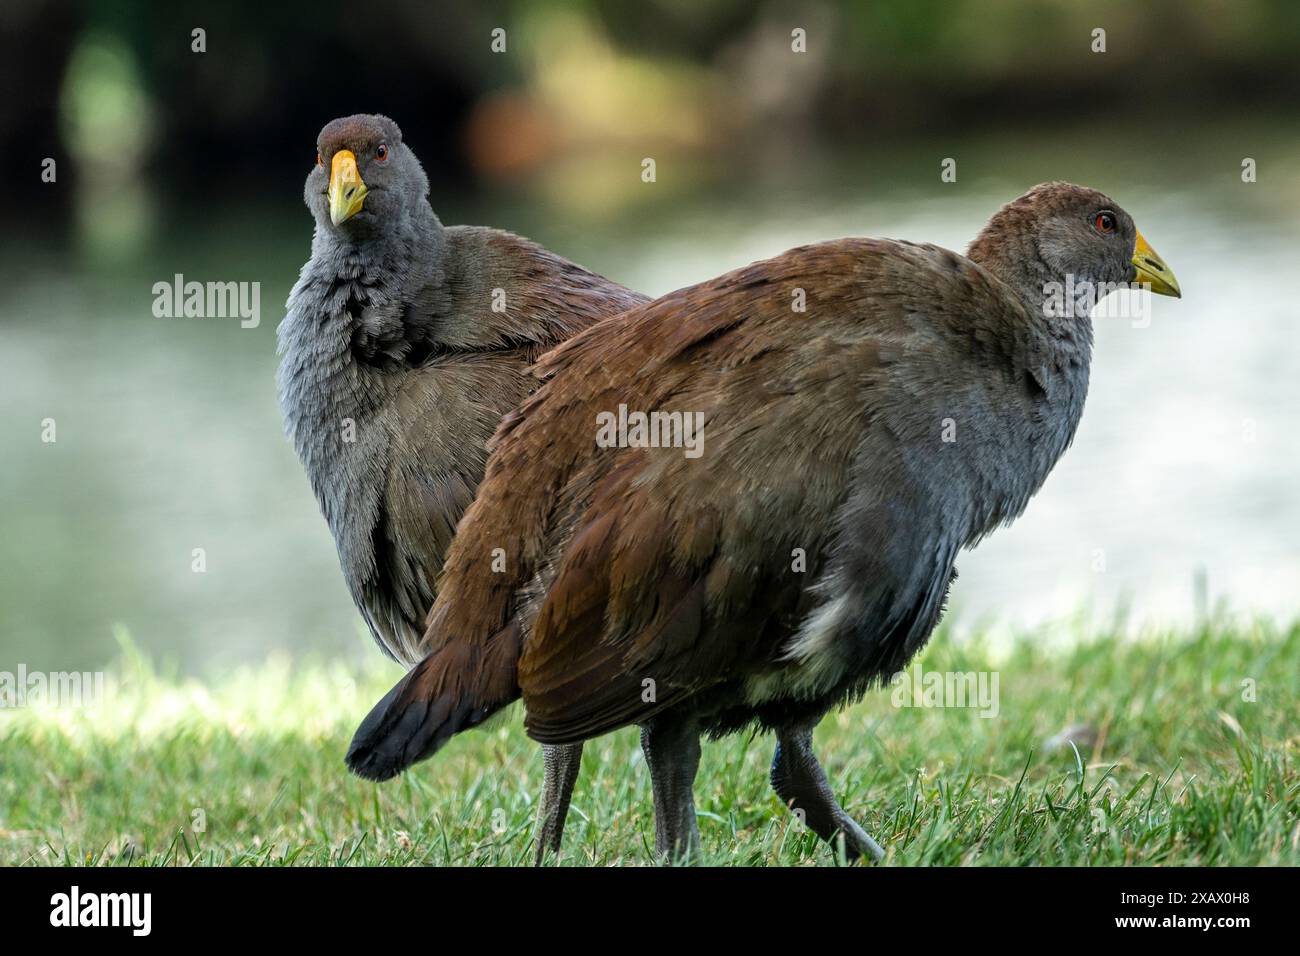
169	439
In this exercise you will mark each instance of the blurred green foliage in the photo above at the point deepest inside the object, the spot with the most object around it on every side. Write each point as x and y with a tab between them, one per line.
718	77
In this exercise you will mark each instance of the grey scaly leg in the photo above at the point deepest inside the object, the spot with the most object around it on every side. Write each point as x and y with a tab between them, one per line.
672	751
800	782
561	763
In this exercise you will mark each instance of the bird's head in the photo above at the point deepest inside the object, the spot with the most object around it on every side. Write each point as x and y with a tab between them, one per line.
1059	231
366	181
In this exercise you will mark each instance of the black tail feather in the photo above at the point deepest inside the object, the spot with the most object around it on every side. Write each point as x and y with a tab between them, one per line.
406	727
456	687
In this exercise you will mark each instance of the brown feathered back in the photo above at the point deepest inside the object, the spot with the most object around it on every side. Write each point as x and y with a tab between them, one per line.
636	568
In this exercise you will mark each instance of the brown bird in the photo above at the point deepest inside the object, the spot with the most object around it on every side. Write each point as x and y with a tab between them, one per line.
404	344
802	551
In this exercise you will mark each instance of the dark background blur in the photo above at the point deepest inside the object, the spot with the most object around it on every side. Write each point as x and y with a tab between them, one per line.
84	80
1180	489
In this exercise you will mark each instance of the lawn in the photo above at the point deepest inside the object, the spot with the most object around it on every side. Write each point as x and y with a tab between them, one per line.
1183	752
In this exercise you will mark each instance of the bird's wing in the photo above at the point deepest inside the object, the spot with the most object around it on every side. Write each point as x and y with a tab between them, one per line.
438	425
466	342
675	570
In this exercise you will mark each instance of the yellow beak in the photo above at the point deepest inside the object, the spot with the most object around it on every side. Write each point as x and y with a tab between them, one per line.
347	189
1152	271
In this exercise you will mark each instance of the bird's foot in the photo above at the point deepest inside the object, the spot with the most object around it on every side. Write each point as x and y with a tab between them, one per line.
562	764
800	782
672	752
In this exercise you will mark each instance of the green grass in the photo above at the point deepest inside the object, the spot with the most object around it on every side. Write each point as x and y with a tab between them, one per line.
1183	770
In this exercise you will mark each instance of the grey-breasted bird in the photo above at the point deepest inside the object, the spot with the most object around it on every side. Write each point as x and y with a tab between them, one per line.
642	568
404	344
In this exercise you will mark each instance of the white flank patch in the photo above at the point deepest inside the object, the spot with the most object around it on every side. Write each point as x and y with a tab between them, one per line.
812	660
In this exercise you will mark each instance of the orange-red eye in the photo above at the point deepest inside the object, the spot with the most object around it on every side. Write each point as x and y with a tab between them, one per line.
381	153
1105	222
319	161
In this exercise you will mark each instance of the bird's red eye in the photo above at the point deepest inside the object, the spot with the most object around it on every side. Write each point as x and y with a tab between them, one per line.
319	161
1104	221
381	152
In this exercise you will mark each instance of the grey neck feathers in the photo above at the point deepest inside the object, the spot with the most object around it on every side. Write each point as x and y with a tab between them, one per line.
350	293
1055	350
1012	254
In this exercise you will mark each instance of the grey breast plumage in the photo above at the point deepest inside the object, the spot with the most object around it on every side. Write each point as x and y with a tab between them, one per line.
398	362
